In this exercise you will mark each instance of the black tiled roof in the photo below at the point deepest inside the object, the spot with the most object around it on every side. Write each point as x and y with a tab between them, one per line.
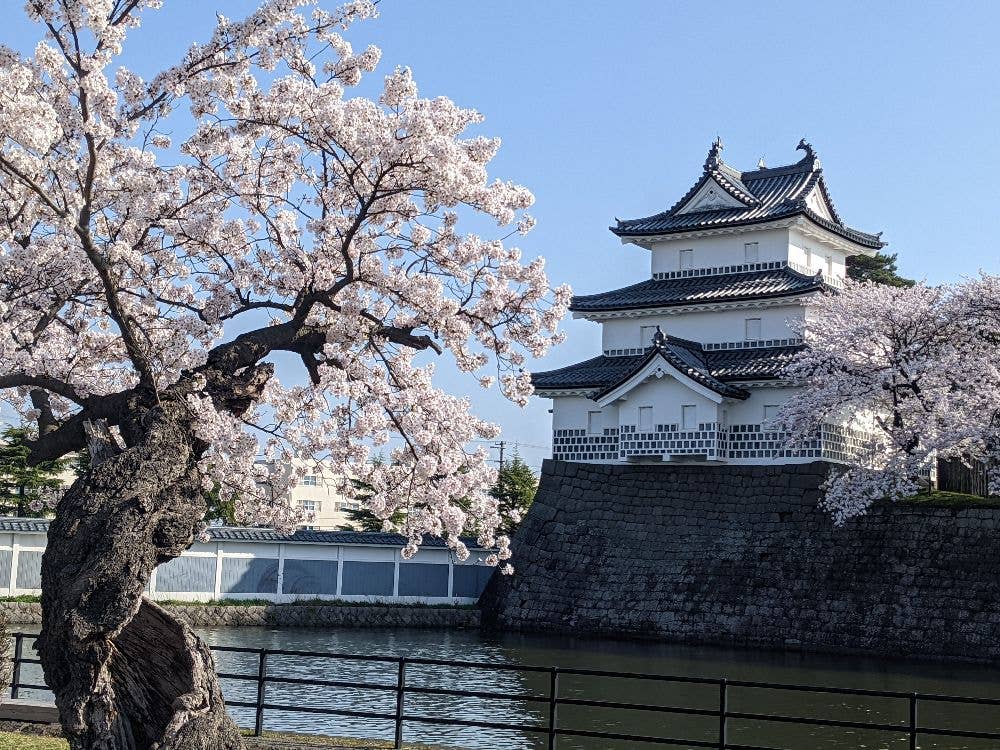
716	369
777	282
767	195
24	525
245	534
249	534
689	359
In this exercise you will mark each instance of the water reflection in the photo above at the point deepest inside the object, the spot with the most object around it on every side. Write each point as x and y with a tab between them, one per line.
565	652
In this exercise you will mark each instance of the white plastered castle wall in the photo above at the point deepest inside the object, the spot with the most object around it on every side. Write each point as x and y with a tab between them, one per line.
574	412
705	327
809	251
720	250
667	397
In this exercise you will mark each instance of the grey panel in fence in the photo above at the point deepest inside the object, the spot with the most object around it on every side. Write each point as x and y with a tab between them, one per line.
309	577
29	570
423	579
245	575
5	555
470	580
367	578
187	574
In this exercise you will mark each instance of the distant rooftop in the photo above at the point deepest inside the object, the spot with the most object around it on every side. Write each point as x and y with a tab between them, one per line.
726	197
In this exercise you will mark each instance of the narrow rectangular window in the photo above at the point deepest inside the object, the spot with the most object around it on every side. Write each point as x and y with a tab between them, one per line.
646	418
646	334
751	252
752	329
594	423
687	259
771	412
829	266
689	417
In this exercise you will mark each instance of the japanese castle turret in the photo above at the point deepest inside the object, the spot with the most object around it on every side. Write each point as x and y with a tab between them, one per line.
692	356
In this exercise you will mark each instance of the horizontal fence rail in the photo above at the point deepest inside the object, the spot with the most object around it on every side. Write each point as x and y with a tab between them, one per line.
907	728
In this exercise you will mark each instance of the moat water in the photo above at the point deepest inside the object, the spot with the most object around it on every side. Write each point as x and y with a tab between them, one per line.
621	656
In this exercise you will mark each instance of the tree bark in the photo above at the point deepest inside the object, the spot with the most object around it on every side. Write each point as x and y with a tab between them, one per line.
125	673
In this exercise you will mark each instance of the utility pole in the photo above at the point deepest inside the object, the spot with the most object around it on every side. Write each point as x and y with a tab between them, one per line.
500	446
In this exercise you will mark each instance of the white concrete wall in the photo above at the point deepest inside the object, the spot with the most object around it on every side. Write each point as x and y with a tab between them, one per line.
13	546
720	250
703	327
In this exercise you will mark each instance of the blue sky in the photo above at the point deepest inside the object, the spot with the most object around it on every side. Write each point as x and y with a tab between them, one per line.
607	109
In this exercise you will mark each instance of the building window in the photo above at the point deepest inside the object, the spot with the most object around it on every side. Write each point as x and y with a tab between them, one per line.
311	506
752	329
646	418
771	412
689	417
751	252
310	481
687	259
646	334
594	425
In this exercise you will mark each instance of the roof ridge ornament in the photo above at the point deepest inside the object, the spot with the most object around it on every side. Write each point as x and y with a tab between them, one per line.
804	145
659	339
714	158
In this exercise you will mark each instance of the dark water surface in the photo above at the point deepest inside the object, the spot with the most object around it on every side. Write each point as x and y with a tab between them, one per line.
620	656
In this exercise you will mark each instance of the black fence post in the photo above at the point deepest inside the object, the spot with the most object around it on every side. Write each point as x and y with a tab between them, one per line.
258	725
15	679
723	713
913	722
400	703
553	705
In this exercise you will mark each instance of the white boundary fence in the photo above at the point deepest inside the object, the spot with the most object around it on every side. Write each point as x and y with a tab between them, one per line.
240	563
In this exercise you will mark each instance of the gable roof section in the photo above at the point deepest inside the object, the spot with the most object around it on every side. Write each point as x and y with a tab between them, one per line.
717	369
767	194
694	290
685	358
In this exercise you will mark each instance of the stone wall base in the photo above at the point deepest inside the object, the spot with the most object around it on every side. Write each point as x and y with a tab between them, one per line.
288	616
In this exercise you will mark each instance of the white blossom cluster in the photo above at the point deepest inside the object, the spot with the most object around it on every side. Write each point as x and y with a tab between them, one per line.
915	367
130	258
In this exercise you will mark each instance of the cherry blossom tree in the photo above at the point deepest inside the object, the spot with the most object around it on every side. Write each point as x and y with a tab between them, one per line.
915	369
150	281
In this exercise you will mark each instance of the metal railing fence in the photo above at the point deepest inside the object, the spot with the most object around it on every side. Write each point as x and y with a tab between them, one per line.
909	729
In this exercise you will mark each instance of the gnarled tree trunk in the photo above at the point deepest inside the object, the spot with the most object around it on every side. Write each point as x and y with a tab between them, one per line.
126	674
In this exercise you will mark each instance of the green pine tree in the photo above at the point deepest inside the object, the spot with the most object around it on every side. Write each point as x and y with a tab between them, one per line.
515	490
21	483
362	519
880	268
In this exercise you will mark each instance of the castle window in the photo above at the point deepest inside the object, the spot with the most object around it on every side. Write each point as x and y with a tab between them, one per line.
646	418
751	251
687	259
594	423
689	417
752	329
646	334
